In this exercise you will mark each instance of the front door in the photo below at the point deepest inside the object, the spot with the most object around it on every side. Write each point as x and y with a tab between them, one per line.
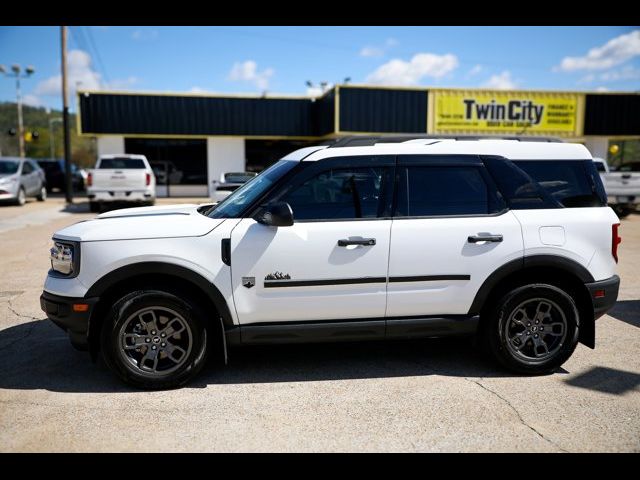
330	265
450	232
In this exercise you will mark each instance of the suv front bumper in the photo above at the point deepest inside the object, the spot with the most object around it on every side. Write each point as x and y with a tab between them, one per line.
67	313
604	294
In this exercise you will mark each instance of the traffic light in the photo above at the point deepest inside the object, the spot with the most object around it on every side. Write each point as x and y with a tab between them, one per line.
31	136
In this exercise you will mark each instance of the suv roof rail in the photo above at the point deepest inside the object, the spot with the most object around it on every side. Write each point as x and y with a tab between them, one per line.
370	140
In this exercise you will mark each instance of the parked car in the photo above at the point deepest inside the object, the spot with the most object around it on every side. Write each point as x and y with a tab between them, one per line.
497	239
54	173
622	185
21	178
121	178
229	182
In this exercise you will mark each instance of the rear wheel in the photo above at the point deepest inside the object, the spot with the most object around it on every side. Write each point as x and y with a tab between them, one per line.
42	196
532	329
154	340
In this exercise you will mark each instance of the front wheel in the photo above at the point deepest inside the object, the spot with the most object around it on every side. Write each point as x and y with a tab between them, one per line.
154	340
533	329
42	196
21	198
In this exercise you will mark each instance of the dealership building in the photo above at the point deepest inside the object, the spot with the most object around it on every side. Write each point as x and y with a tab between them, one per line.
191	139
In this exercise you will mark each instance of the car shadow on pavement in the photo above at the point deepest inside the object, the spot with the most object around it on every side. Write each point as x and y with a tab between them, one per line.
607	380
37	355
627	311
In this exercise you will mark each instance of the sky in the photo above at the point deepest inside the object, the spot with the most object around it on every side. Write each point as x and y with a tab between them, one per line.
281	60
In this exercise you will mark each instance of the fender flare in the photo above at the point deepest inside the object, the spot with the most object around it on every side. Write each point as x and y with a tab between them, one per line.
161	268
587	333
554	261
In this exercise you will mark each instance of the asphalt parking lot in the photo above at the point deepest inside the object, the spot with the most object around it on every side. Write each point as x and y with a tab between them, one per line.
435	395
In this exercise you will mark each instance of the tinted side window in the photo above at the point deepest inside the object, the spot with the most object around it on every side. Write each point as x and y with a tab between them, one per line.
572	183
26	168
338	194
444	191
518	188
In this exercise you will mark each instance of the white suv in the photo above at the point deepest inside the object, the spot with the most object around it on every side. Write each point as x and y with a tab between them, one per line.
509	240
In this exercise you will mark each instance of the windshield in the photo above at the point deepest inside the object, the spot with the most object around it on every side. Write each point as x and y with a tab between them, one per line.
235	203
7	167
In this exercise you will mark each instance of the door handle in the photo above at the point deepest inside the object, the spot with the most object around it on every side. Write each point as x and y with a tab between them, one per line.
367	242
484	238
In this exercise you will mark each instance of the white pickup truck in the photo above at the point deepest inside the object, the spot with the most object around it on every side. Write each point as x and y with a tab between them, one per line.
121	178
622	185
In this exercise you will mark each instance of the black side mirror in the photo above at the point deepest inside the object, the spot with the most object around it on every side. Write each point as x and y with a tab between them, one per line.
276	215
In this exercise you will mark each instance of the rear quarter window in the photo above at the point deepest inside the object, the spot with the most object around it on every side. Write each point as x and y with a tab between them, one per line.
572	183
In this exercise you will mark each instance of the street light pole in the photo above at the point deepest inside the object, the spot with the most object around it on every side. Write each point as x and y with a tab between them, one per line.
20	124
16	69
65	119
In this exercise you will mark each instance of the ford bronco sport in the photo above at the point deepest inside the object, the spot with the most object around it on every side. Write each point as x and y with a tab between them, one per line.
508	240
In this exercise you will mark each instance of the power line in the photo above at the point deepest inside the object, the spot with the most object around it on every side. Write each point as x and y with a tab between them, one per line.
97	53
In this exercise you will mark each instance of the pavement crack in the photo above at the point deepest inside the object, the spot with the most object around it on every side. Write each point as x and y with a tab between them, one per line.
29	330
515	410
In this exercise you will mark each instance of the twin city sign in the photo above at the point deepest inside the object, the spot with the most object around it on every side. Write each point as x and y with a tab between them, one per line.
483	111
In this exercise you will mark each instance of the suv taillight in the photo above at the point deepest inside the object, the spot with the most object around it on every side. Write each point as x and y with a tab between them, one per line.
148	179
89	179
616	239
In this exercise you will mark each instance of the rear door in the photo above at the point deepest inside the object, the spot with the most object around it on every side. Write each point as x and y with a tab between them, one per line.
332	263
29	178
450	231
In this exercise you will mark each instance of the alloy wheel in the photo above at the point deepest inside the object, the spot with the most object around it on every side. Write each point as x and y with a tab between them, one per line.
536	330
155	341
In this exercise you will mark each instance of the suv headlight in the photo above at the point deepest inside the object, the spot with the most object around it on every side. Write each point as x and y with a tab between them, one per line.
65	258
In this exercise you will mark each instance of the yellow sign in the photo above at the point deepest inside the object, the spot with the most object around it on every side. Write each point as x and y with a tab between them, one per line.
477	111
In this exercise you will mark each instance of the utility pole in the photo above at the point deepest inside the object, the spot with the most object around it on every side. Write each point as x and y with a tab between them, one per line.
65	119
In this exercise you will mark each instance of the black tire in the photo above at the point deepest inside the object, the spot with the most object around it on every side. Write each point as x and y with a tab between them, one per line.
622	211
94	207
505	319
43	194
125	313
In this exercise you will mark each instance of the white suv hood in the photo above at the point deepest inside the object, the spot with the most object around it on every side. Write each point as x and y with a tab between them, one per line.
141	223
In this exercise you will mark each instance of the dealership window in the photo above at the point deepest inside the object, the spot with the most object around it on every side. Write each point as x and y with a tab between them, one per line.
174	162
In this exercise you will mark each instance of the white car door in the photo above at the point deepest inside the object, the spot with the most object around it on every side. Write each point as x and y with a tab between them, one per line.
450	232
331	264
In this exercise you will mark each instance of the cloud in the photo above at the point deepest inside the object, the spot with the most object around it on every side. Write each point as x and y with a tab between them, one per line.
373	51
602	89
616	51
475	70
82	76
79	73
247	72
624	74
503	81
145	34
400	72
316	91
32	100
197	90
119	84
